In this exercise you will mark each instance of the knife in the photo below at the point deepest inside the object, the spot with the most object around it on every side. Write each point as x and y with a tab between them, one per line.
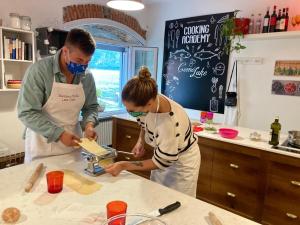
158	212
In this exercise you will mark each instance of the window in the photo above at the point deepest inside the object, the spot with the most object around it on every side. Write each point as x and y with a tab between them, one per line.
108	66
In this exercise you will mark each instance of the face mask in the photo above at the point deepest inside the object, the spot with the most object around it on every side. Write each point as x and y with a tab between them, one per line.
76	68
137	114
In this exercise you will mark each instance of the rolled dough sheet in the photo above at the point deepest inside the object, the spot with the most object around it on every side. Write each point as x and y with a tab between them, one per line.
92	147
106	162
79	183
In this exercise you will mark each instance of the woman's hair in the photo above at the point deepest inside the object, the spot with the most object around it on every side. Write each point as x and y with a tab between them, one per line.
140	89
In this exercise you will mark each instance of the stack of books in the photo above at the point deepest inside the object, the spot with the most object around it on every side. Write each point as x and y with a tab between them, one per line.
16	49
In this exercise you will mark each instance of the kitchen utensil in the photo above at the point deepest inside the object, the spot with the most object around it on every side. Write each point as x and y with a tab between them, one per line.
115	208
146	220
294	138
157	213
213	219
126	153
228	133
55	181
94	159
34	177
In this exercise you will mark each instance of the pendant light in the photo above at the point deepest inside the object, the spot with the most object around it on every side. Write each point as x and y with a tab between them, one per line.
126	5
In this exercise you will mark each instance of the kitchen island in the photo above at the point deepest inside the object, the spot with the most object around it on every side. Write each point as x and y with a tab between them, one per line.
70	207
249	178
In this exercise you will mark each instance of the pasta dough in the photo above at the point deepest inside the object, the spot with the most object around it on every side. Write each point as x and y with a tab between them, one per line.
79	183
92	147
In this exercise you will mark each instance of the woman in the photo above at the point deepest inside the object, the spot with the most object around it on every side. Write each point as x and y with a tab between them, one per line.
166	127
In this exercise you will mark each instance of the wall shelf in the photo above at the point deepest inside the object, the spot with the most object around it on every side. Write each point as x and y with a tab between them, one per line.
15	60
9	90
272	36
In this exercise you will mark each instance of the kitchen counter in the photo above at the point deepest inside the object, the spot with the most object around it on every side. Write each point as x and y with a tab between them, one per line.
69	207
242	139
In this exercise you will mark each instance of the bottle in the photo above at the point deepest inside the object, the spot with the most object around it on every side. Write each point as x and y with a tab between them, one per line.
282	21
258	24
275	132
277	29
251	24
273	20
286	19
266	21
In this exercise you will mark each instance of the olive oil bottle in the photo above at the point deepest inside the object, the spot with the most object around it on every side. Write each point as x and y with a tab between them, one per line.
275	132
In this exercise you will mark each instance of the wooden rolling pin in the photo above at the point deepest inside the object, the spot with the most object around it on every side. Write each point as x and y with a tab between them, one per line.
34	177
213	219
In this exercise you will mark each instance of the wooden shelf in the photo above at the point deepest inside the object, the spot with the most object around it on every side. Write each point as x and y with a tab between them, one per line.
9	90
16	60
16	30
272	36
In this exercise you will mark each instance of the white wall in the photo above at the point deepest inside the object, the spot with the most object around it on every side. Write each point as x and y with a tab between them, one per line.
258	105
43	13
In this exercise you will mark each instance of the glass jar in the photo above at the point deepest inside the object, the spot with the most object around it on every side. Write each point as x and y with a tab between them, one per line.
214	105
15	21
25	22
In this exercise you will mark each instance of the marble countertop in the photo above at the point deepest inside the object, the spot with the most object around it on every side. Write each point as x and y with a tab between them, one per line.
70	207
242	139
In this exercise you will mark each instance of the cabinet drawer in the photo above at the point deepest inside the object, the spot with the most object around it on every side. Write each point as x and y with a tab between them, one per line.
126	138
241	199
283	187
277	216
239	168
284	170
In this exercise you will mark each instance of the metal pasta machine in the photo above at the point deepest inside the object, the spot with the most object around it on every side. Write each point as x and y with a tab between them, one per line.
94	161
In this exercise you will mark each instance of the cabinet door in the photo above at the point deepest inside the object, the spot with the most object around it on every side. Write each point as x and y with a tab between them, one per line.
282	195
125	136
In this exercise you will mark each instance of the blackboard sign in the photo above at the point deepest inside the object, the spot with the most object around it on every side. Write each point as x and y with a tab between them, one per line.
195	64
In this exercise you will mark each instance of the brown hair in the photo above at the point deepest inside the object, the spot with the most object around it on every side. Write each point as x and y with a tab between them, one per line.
140	89
82	40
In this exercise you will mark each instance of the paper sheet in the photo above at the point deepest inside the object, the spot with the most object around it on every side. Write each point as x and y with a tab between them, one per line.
79	183
92	147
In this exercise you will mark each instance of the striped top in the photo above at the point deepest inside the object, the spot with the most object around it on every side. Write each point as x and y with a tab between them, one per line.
171	136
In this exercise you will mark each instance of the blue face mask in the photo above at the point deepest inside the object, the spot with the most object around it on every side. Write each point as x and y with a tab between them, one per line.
137	114
76	68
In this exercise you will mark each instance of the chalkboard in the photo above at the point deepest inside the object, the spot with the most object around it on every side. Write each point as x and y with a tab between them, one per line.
195	64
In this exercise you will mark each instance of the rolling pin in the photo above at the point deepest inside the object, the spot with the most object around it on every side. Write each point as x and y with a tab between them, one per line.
213	219
34	177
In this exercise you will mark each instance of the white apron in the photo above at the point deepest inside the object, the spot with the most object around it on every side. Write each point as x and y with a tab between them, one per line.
62	108
183	174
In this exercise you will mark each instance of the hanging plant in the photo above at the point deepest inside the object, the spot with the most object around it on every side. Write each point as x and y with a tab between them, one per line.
233	30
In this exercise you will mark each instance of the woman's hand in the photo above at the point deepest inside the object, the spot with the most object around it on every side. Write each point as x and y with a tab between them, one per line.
89	132
115	169
139	149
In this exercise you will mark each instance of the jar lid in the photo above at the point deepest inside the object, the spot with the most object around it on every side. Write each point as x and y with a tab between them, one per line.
14	14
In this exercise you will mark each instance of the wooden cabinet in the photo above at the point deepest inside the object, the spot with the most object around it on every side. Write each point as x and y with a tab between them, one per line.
125	136
259	185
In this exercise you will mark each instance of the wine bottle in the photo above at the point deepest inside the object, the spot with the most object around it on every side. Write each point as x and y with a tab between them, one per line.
286	20
266	21
277	29
282	21
273	20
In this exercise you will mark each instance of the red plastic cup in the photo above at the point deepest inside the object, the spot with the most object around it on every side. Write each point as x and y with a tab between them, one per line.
115	208
55	180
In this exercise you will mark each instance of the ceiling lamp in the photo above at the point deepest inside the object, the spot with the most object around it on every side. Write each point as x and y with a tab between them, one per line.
127	5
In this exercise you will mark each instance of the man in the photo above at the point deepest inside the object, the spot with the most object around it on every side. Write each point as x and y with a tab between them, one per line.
54	91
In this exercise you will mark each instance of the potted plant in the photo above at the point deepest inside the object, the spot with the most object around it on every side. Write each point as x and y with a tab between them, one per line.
233	30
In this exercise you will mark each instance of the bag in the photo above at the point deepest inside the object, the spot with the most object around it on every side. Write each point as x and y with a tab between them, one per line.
231	97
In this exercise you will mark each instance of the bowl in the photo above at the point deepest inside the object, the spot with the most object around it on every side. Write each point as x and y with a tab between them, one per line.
129	219
228	133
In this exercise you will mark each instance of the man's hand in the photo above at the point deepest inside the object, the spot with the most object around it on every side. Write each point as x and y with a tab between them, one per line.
89	131
69	139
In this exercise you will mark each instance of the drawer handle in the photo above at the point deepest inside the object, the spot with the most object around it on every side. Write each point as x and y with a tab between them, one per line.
292	216
296	183
128	136
231	194
234	166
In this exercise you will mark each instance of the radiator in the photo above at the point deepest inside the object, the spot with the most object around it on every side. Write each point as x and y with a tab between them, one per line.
104	131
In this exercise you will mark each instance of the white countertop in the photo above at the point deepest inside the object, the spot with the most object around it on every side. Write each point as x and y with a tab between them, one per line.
242	139
69	207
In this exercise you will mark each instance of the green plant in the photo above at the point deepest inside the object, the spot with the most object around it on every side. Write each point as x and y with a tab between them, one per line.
232	34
